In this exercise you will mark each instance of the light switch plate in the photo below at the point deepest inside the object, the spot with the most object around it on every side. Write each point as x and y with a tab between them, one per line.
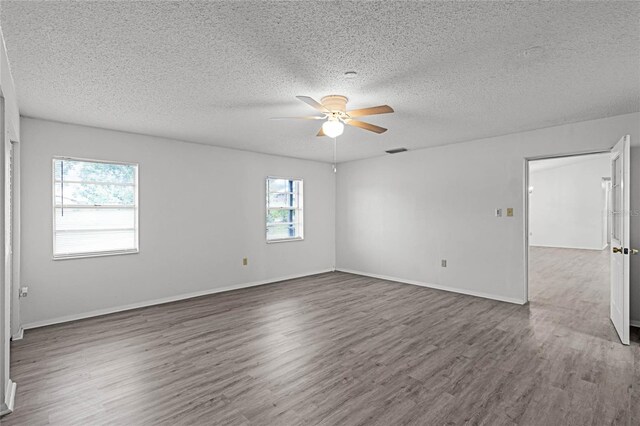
509	211
498	212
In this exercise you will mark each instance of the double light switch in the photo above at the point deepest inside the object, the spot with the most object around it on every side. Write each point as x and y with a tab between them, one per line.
509	212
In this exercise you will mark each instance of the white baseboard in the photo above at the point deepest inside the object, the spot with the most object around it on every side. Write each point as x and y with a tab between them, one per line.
634	323
568	247
9	398
18	336
100	312
438	287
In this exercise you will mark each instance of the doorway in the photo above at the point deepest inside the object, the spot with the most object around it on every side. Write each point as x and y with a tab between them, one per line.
568	203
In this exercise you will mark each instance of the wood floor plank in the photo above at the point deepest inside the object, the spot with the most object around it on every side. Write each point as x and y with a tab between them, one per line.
338	348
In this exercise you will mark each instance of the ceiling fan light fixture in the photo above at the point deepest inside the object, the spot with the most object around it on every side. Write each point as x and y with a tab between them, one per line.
333	127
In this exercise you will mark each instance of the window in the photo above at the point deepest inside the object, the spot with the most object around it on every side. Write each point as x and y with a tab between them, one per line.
284	209
95	208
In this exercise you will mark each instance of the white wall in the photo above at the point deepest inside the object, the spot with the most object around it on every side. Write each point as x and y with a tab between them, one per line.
399	215
202	209
567	205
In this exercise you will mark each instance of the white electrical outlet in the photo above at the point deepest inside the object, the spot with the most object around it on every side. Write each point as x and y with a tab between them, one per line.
24	292
443	263
498	212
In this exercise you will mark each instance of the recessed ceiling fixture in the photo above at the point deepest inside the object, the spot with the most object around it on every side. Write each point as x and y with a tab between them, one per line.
396	150
334	110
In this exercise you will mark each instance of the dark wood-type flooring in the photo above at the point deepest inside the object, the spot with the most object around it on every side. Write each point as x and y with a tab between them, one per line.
341	349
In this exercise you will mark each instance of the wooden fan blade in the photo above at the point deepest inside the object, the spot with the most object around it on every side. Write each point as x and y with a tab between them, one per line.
309	117
366	126
321	133
313	103
382	109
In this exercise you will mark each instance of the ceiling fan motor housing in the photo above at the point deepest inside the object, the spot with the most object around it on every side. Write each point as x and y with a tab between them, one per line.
335	103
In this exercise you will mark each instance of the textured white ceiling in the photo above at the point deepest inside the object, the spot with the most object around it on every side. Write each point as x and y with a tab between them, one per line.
214	72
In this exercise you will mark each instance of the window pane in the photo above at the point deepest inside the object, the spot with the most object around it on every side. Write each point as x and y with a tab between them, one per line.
87	194
283	200
281	216
284	209
79	242
275	232
86	219
77	170
281	185
81	226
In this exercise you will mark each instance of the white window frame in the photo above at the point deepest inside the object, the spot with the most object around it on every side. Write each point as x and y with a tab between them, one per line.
136	208
299	210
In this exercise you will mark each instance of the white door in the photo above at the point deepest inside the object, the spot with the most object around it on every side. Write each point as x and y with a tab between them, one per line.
620	250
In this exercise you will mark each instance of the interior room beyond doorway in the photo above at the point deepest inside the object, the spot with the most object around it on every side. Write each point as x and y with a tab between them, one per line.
569	228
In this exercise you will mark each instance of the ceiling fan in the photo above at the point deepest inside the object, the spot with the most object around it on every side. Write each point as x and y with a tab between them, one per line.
334	110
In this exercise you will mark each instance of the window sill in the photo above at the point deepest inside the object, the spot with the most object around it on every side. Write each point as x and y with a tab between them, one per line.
101	254
285	240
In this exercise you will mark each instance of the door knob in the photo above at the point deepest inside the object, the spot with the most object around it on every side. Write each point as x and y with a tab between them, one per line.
625	250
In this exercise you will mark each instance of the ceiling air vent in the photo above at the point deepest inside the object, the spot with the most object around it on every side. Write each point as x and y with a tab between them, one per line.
396	150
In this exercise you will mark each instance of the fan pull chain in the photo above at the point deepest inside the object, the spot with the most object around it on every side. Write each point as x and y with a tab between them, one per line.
335	154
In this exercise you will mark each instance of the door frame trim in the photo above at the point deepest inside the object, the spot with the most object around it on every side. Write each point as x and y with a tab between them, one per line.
525	205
